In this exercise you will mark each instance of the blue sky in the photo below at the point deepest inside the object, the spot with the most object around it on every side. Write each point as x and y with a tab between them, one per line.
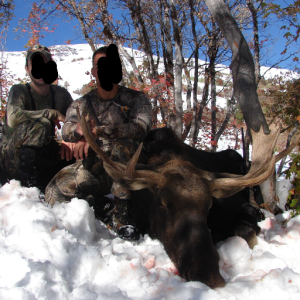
66	32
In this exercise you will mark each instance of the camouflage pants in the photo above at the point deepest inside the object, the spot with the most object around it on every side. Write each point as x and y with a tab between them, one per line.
36	135
88	180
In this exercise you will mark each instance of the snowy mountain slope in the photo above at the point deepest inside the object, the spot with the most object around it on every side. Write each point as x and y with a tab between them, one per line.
73	61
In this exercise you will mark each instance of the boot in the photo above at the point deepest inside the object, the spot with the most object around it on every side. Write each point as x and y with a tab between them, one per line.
38	165
120	220
27	167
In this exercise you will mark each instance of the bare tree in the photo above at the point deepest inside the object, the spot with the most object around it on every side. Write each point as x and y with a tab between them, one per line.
178	69
6	12
242	66
253	11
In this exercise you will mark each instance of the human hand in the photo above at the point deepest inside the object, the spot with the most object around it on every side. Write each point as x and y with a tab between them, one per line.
81	149
92	125
60	118
66	150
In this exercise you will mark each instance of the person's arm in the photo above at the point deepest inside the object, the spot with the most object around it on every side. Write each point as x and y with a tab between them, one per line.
17	113
140	122
69	132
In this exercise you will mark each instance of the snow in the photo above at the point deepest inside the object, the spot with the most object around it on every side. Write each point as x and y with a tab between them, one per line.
62	252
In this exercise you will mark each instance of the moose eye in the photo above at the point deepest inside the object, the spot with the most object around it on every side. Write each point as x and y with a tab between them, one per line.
159	203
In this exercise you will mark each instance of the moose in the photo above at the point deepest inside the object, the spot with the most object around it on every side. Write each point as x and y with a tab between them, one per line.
181	189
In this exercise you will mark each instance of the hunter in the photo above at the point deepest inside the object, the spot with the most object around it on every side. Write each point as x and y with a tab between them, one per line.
120	118
29	151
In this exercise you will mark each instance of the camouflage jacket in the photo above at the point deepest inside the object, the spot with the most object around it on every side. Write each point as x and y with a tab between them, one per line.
20	108
126	116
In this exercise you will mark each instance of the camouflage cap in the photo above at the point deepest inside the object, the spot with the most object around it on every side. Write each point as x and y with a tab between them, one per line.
38	49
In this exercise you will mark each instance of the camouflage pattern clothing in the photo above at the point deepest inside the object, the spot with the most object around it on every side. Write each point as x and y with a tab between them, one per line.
125	121
27	123
126	116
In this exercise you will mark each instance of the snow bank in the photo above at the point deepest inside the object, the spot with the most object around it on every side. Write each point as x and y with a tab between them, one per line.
64	253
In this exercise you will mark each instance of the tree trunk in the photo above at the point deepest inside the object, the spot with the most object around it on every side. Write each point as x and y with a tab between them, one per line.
242	66
268	191
187	124
256	40
142	34
213	104
202	105
225	122
169	65
292	132
212	53
178	71
80	18
195	87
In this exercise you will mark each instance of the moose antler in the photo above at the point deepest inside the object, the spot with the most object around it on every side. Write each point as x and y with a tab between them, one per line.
129	171
89	138
222	185
263	165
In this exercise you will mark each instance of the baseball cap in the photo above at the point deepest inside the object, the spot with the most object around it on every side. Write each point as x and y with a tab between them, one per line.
38	49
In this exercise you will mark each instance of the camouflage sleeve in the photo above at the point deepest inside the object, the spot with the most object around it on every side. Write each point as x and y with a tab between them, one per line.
69	101
140	122
16	109
69	133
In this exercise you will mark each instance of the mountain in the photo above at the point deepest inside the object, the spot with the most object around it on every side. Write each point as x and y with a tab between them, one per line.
74	61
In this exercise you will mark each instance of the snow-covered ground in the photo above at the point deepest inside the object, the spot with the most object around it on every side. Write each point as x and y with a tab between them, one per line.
64	253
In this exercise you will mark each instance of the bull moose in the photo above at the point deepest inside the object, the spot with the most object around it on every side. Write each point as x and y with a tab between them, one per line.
181	188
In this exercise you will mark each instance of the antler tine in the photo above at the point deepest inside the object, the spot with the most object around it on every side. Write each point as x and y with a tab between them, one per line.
226	187
263	165
288	149
262	150
89	138
130	169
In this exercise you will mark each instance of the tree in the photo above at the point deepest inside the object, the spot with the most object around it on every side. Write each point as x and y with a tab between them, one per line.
153	26
178	68
242	66
6	12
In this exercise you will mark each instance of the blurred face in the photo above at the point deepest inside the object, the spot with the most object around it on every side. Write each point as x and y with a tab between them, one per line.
95	66
39	82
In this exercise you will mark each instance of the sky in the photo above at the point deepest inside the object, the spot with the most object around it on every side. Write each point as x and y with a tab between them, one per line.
66	32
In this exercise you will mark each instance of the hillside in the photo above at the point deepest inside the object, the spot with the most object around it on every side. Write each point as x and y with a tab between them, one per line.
74	61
